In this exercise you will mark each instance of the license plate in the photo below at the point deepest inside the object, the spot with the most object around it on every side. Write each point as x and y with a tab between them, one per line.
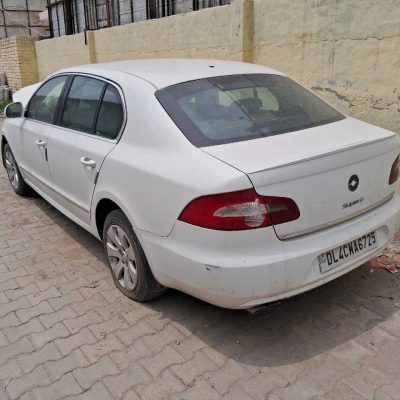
346	252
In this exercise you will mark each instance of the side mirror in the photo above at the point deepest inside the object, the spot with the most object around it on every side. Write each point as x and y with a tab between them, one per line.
14	110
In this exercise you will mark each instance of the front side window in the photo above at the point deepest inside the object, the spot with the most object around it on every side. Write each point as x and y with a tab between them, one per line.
43	104
111	114
81	104
234	108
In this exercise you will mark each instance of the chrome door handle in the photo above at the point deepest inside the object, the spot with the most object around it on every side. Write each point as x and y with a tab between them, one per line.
88	163
41	143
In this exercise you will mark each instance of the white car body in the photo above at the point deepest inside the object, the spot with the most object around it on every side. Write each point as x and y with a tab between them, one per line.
152	172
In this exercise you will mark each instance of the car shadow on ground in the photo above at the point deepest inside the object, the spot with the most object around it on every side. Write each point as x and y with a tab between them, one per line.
293	331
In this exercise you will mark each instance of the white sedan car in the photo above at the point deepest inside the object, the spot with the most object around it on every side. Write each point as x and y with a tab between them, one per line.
225	180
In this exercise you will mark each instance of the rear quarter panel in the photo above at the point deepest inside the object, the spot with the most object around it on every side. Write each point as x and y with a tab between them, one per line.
154	171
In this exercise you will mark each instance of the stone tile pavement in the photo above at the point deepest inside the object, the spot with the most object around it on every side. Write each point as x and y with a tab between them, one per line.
67	333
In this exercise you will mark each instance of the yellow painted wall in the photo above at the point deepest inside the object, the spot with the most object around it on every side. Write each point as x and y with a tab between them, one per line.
346	51
61	52
209	33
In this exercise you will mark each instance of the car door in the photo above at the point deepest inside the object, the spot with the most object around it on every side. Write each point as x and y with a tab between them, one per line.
34	130
90	120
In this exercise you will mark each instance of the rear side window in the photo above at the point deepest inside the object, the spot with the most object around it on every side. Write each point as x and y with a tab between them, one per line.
111	114
81	104
43	104
234	108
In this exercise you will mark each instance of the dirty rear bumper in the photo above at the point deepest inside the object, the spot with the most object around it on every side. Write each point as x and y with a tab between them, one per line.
248	268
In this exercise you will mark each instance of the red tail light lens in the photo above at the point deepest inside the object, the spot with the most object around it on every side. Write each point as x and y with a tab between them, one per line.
394	172
234	211
237	211
281	209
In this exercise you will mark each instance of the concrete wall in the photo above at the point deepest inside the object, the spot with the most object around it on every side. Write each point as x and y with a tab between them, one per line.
209	33
61	52
347	51
18	61
212	33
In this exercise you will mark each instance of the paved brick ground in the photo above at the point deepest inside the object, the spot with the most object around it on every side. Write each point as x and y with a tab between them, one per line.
66	332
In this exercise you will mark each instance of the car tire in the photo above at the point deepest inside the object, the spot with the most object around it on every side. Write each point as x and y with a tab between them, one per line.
128	264
14	175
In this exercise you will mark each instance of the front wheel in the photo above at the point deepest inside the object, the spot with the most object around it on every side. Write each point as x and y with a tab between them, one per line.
128	264
14	175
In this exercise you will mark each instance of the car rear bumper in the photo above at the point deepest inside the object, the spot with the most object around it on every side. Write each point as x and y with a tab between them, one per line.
247	268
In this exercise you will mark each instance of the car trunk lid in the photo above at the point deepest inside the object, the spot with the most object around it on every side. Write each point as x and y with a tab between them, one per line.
333	172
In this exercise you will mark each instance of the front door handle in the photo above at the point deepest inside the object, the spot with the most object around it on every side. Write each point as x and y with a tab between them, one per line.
41	144
88	163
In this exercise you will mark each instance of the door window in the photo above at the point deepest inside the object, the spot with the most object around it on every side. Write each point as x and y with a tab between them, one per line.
82	103
111	114
43	104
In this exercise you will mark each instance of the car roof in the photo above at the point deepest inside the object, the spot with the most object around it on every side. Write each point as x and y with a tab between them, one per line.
168	71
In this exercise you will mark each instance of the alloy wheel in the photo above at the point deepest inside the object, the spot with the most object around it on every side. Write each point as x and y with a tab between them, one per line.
12	170
122	257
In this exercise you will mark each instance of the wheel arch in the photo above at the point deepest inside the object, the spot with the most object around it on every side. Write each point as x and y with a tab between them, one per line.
103	208
3	143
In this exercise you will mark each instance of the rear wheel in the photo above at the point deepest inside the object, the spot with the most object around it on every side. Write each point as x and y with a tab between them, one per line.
15	177
128	264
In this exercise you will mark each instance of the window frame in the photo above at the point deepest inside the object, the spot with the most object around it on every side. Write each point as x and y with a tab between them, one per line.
62	99
56	111
96	120
92	133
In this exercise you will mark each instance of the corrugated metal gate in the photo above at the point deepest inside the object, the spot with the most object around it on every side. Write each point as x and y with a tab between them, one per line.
67	17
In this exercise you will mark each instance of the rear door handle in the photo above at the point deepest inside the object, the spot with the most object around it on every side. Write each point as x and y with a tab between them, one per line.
41	144
88	163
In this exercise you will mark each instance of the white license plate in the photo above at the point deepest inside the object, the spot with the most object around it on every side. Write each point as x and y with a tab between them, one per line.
346	252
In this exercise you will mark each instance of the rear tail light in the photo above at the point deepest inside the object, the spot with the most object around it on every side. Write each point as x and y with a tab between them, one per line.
281	209
394	172
237	211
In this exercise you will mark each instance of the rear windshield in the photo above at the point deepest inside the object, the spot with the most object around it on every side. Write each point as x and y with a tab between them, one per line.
234	108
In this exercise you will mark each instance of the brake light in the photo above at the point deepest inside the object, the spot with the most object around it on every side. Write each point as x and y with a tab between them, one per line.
394	172
237	211
281	209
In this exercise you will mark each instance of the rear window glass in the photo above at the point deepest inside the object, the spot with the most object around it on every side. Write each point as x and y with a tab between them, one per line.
111	114
234	108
